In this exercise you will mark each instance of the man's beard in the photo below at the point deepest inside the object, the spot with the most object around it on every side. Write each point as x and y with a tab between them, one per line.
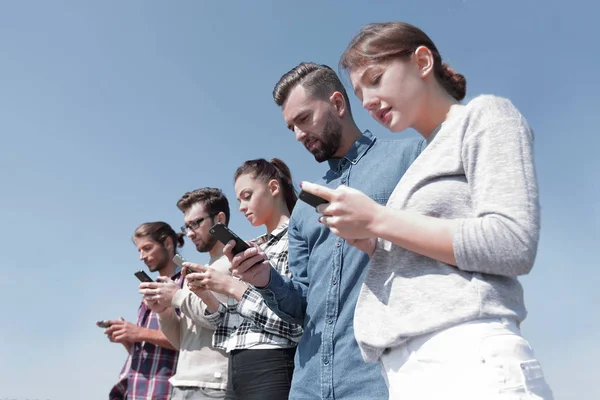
330	140
164	260
204	247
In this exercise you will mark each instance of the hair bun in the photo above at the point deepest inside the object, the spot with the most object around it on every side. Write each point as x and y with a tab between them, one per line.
455	83
180	239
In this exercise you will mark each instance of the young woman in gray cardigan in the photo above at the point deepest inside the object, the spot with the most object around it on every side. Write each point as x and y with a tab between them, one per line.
441	304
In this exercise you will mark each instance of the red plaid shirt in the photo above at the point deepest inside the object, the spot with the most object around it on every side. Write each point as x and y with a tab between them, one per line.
146	373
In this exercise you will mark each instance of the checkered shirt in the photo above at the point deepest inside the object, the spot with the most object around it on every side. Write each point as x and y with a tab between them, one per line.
146	373
250	322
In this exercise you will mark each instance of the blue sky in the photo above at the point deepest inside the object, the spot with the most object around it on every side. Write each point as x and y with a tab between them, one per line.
110	111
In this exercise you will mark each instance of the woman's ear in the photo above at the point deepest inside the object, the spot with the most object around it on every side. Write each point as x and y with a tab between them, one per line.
274	187
424	60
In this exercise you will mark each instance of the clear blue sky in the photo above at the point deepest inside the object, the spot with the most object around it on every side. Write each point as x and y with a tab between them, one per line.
111	110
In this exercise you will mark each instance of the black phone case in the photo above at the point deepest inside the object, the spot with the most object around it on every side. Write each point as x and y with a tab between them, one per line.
143	276
224	235
311	199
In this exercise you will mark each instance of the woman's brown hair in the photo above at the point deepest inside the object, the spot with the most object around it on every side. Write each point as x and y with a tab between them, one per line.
267	170
381	42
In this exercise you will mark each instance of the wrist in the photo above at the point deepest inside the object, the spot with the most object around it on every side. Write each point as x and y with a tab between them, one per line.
378	221
164	313
237	289
139	334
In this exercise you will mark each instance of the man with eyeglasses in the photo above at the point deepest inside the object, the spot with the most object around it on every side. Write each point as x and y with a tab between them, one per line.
201	369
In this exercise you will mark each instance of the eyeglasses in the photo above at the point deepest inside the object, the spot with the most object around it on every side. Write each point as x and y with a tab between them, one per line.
193	225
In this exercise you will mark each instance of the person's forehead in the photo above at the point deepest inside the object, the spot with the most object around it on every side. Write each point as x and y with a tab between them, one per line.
357	74
299	100
244	181
196	211
143	241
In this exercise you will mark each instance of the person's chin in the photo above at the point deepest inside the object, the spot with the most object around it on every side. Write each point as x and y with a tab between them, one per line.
396	126
319	156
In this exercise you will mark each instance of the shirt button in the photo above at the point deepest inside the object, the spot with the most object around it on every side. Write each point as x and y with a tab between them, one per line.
330	321
344	181
334	281
338	244
326	361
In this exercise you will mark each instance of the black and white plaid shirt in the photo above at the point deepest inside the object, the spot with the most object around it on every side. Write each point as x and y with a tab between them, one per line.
250	323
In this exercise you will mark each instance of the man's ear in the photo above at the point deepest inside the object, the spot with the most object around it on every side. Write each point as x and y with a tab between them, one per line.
168	243
339	103
220	217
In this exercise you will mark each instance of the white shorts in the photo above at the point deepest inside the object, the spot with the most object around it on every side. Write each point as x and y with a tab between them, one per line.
477	360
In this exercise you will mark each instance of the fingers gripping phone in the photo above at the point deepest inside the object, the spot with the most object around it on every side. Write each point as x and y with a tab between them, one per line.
177	259
143	276
311	199
102	324
225	235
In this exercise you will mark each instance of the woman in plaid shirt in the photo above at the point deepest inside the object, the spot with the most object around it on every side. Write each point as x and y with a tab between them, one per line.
261	346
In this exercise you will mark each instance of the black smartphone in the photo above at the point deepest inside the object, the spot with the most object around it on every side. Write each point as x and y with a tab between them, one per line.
143	276
102	324
311	199
225	235
177	259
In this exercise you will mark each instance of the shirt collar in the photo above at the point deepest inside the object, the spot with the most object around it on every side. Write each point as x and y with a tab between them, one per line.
355	153
267	236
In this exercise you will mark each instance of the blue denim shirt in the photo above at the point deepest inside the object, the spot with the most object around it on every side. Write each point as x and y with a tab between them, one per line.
327	276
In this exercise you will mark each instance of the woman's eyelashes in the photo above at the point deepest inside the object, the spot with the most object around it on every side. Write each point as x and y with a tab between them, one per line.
376	79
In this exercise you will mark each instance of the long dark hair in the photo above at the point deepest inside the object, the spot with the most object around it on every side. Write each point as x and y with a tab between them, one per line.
267	170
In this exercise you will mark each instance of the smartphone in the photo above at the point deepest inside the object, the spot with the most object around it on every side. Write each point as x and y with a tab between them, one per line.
143	276
311	199
177	259
102	324
224	235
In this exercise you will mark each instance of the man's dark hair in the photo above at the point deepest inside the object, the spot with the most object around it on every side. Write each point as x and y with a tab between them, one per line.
319	80
159	232
213	200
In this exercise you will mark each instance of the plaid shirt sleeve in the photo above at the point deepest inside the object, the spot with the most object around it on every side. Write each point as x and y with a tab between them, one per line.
252	306
250	321
217	317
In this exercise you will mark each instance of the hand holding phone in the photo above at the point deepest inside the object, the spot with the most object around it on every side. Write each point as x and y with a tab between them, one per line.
177	259
311	199
143	276
225	235
102	324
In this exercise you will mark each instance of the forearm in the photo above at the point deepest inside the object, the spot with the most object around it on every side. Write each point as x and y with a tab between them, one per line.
236	289
155	337
253	307
428	236
285	298
211	302
170	326
192	306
